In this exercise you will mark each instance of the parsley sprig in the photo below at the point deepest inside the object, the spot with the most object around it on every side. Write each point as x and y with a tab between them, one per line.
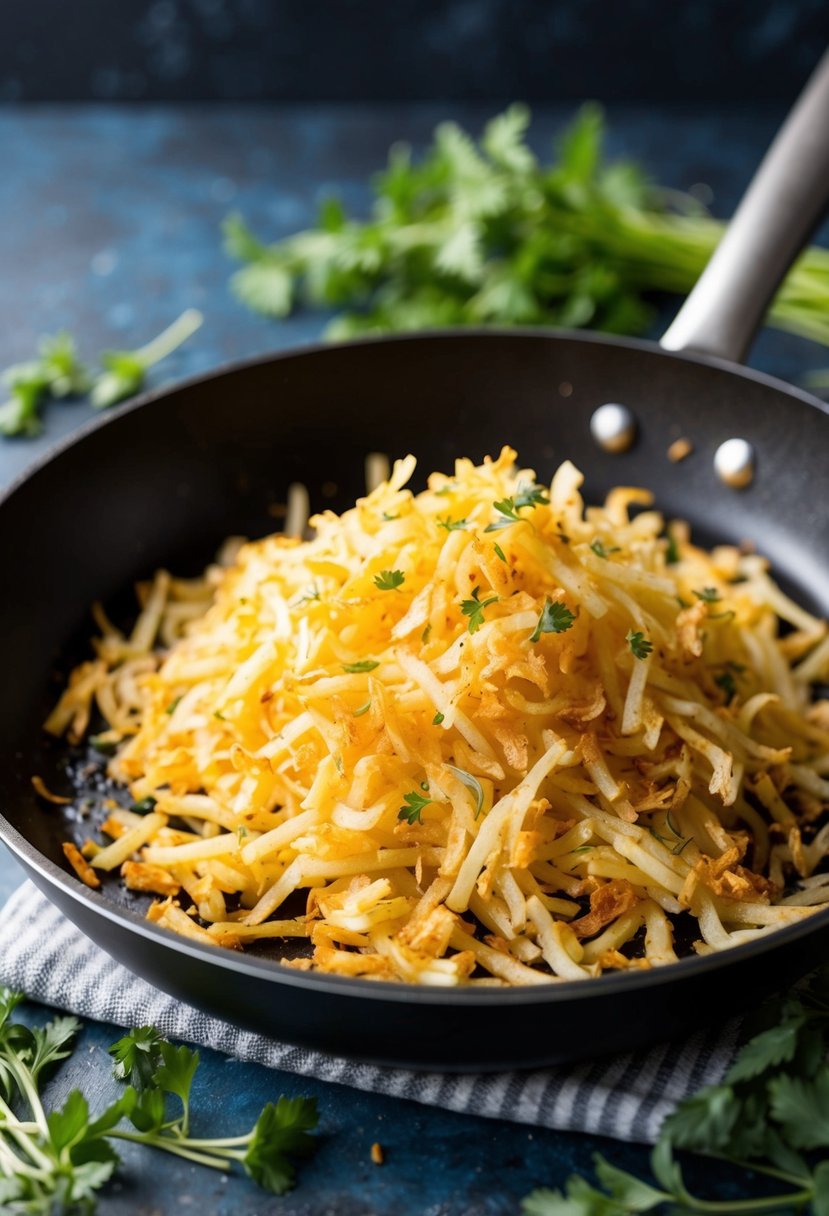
554	618
481	231
389	580
57	373
639	645
413	809
769	1114
474	609
56	1161
508	508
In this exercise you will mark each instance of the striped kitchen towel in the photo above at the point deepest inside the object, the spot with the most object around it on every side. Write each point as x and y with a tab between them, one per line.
45	956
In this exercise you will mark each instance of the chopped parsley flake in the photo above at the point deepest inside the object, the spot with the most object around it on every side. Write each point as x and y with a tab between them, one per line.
639	645
413	809
474	609
438	719
708	595
601	550
389	580
363	665
554	618
453	525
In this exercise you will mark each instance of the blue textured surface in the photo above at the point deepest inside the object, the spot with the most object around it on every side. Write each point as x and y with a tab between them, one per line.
108	226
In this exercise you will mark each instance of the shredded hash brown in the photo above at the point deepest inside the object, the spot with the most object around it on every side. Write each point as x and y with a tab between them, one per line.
490	737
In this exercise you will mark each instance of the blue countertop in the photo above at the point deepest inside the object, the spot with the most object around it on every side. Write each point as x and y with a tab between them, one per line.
109	227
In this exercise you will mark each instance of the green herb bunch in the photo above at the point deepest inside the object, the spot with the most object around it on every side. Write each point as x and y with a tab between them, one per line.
58	373
53	1164
484	232
769	1116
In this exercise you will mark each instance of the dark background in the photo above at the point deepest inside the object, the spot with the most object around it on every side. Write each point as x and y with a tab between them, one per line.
376	50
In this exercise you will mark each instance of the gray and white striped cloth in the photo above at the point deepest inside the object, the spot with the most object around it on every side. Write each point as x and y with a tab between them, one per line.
627	1097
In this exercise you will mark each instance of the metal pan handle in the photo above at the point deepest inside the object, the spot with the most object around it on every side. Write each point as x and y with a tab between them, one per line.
778	213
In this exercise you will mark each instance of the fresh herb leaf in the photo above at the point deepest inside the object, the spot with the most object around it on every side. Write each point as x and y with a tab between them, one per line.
125	370
144	805
708	595
554	618
672	554
137	1055
453	525
411	812
602	550
388	518
530	496
639	644
362	665
476	232
472	784
171	708
358	713
474	609
424	637
72	1155
282	1131
438	719
509	516
389	580
499	552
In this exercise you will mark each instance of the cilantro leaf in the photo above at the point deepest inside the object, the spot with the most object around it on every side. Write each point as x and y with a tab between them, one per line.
175	1074
67	1125
602	550
474	609
453	525
413	809
509	515
137	1056
124	371
499	553
389	580
554	618
362	665
639	644
530	496
438	719
708	595
801	1107
282	1131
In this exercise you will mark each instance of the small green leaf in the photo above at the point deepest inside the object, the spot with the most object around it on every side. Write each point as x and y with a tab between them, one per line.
499	552
358	713
171	708
362	665
708	595
137	1056
144	806
413	809
453	525
801	1106
389	580
438	719
554	618
474	609
67	1125
602	550
639	644
281	1132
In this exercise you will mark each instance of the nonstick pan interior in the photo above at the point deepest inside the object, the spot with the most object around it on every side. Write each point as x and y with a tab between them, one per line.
163	482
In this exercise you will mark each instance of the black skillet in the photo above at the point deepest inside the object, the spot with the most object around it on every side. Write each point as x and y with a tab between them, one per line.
163	480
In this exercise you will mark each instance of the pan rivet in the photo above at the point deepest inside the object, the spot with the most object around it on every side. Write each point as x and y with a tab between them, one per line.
613	427
734	463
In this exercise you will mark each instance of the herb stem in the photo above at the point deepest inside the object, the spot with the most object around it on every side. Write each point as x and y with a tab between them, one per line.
168	1145
730	1207
170	338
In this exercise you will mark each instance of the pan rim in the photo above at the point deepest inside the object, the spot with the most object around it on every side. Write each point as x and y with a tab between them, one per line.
345	986
536	333
685	970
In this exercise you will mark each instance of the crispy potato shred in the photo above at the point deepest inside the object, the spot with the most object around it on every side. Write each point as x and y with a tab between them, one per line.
480	734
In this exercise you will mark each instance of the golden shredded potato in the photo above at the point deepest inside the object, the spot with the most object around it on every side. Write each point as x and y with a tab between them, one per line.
481	734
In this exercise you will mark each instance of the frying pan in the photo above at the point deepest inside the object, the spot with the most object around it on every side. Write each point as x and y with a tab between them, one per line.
161	481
